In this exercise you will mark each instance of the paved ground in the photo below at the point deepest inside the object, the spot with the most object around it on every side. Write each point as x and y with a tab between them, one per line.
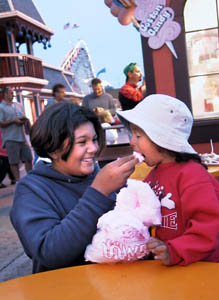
13	261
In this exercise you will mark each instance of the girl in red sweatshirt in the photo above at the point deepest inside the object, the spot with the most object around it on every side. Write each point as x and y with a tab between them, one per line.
189	195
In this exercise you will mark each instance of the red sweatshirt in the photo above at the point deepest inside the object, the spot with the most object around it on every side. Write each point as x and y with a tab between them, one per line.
191	229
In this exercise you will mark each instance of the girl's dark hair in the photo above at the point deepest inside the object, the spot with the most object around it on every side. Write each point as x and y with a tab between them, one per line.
59	122
182	157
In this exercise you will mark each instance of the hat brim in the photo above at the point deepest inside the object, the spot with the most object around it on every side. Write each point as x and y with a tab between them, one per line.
173	142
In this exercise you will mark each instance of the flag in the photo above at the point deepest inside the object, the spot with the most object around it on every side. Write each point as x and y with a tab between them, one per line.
67	25
75	26
101	71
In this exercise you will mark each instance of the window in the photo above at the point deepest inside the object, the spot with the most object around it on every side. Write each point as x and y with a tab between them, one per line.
202	40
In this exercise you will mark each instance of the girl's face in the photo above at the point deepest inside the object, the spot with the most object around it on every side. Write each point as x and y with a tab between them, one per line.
141	143
82	157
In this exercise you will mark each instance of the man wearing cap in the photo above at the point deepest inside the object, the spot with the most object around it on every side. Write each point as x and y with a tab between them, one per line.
131	93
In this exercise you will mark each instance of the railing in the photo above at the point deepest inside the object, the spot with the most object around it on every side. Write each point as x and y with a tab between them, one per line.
19	65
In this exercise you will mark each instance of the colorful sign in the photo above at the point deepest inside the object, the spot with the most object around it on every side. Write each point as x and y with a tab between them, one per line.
152	18
156	23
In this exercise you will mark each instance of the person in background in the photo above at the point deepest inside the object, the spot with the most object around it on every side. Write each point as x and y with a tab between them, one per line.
189	195
99	99
132	93
58	92
106	121
4	165
12	119
57	205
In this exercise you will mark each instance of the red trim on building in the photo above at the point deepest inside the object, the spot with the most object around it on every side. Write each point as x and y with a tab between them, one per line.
164	72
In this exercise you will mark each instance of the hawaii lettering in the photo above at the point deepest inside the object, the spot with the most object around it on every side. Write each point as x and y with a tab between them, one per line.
156	14
170	221
119	251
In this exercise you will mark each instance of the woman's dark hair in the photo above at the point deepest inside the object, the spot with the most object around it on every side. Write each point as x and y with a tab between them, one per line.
182	157
58	122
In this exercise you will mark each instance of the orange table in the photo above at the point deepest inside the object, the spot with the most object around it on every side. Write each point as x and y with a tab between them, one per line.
148	280
214	170
142	170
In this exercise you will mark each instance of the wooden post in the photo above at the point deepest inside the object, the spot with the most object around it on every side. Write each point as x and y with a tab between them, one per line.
37	106
11	41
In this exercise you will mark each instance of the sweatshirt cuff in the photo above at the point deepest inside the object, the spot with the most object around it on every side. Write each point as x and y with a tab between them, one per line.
175	259
97	198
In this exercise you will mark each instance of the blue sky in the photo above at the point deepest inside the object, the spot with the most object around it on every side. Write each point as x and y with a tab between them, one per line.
110	44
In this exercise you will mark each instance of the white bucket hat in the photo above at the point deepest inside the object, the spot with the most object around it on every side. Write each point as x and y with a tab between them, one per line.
167	121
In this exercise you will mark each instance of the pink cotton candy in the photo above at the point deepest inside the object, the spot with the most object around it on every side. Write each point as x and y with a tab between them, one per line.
121	237
141	201
123	232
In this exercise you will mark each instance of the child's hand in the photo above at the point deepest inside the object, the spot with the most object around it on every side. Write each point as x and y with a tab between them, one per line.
159	249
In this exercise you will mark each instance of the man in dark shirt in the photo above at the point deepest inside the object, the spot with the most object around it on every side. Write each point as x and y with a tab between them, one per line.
131	93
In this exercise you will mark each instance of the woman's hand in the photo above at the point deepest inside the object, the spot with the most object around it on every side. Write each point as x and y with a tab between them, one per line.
114	175
159	249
